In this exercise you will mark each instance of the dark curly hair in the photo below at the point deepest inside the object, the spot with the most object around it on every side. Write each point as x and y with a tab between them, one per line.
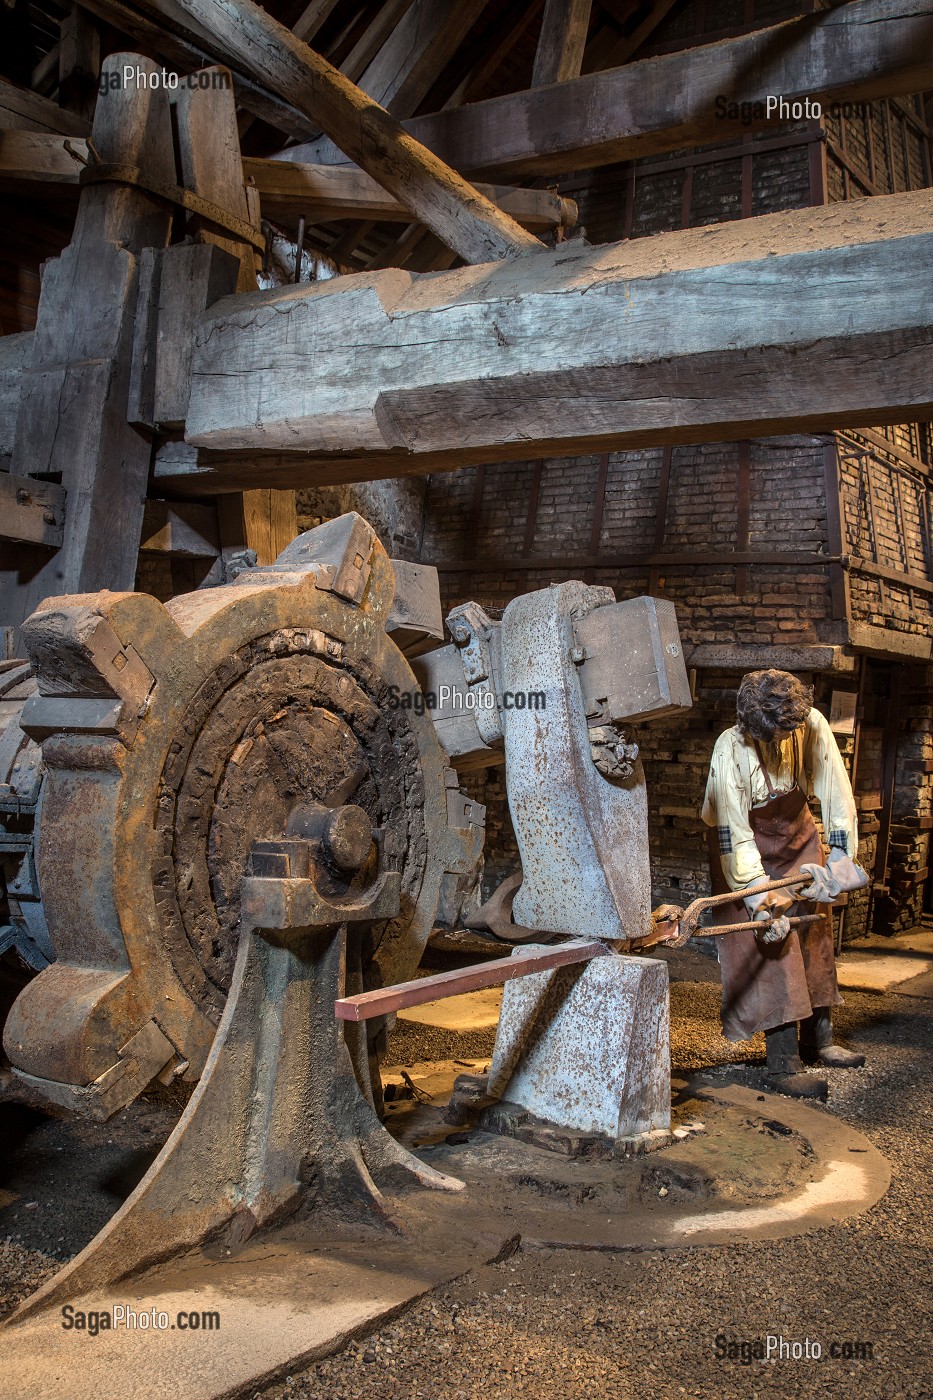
771	700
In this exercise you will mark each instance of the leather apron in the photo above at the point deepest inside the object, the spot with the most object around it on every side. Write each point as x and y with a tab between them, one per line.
770	984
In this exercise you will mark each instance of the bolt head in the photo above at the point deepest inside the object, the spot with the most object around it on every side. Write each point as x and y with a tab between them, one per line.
348	837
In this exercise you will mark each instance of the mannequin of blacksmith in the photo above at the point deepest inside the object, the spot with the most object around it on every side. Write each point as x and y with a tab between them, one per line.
779	752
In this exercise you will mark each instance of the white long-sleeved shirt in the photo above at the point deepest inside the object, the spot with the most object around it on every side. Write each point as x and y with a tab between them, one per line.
736	784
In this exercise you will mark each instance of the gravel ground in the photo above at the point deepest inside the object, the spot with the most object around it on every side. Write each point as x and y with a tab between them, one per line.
557	1325
568	1324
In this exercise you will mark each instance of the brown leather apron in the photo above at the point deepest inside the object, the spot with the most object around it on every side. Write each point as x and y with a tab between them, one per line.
769	984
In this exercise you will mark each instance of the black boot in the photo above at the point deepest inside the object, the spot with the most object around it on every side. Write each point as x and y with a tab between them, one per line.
816	1043
785	1068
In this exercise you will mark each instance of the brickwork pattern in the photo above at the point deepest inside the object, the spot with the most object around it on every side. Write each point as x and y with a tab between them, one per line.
492	531
912	812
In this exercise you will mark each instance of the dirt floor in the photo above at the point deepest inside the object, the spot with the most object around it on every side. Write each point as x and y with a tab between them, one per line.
575	1323
558	1325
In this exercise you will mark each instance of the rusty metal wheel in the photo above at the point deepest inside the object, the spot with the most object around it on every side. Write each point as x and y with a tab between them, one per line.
173	737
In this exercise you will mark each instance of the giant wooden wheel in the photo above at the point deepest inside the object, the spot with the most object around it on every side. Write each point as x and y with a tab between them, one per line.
174	737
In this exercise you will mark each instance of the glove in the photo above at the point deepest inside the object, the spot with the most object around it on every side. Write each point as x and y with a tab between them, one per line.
772	909
830	881
848	872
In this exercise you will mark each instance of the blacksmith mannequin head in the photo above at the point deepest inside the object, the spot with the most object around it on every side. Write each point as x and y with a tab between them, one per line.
771	704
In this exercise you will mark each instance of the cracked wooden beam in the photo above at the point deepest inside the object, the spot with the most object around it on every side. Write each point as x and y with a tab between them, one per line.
854	52
802	321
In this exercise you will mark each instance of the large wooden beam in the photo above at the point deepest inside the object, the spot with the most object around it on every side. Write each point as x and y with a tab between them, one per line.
323	193
22	110
803	321
441	199
865	49
74	388
42	163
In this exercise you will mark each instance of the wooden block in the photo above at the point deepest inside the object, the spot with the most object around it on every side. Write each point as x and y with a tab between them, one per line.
176	286
31	511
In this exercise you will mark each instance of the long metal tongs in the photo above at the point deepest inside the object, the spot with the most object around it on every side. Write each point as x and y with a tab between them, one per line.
689	923
688	920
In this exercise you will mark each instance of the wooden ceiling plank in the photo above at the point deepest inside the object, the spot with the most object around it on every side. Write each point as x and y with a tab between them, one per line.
376	36
415	55
631	43
312	18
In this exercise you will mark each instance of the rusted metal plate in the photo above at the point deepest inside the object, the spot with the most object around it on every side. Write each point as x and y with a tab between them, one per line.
470	979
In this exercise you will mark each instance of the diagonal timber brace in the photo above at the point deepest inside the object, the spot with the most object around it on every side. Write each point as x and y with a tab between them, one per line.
692	336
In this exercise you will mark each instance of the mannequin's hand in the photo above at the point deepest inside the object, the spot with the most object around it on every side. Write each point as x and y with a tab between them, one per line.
772	909
848	873
830	881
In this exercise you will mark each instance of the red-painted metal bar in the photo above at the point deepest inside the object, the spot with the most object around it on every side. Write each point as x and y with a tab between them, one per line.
469	979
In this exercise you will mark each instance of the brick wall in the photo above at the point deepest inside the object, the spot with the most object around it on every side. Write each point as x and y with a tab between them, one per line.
887	517
489	520
912	808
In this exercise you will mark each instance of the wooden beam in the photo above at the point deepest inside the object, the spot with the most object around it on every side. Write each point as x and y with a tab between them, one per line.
22	110
419	48
262	520
622	51
385	1000
801	322
15	353
45	73
79	62
31	511
73	402
559	54
440	198
322	193
856	51
38	162
325	193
